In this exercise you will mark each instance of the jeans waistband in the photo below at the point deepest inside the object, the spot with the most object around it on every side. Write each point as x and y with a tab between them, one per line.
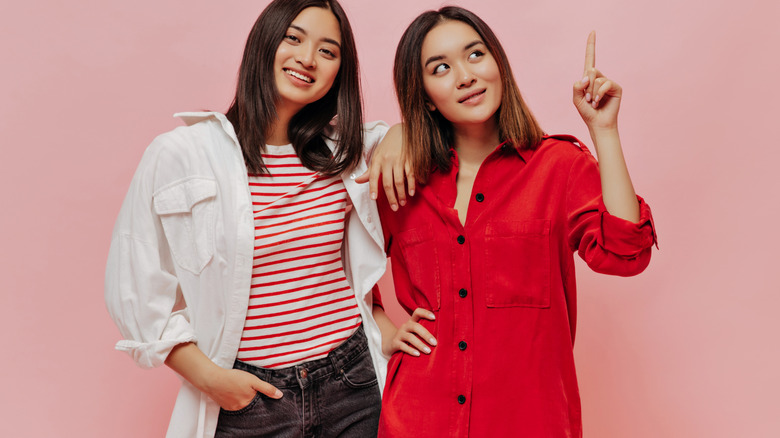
303	374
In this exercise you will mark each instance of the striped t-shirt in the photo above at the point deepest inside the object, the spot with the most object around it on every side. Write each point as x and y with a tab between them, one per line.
300	306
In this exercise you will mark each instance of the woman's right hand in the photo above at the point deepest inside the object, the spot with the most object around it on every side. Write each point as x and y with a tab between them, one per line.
231	389
234	389
412	338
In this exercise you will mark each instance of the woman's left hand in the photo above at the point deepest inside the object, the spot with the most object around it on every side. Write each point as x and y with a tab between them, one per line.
596	97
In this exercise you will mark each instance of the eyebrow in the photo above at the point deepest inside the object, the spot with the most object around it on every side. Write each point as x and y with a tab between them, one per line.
327	40
440	57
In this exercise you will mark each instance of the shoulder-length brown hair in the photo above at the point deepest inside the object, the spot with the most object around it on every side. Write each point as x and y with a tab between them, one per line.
253	110
428	135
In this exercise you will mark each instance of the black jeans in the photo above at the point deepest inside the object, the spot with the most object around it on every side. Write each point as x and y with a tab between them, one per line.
336	396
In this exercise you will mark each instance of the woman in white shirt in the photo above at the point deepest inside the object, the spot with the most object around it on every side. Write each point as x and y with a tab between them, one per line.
224	246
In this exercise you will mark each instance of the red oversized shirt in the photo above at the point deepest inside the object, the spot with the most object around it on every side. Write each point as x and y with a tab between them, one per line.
503	290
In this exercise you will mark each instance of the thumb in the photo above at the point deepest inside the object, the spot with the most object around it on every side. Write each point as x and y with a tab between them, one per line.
267	389
362	179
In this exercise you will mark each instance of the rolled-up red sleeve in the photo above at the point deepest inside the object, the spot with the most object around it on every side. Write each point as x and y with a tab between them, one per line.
607	243
377	297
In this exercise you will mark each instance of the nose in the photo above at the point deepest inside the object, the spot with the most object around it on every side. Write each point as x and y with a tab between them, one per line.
466	78
306	56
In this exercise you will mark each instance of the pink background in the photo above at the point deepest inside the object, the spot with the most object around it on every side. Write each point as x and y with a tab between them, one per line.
687	349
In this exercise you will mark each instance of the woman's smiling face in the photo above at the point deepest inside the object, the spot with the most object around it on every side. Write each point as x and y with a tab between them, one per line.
308	59
460	77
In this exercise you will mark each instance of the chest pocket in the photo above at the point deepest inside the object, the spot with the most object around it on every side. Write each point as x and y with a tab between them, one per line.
421	261
518	253
186	210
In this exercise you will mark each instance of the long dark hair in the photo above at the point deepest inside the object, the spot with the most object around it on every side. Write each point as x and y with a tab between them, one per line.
428	135
253	110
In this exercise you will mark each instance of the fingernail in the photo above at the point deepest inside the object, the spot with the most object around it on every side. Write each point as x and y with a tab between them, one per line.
278	394
427	350
587	97
411	192
432	341
594	104
402	203
597	98
584	80
432	316
373	196
393	207
416	353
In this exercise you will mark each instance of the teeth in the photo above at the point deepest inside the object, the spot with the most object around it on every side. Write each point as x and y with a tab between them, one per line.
299	76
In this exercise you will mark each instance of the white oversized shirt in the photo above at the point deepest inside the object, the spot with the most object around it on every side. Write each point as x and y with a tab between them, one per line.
180	262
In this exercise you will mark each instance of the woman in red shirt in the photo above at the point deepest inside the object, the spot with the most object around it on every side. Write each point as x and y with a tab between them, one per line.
483	254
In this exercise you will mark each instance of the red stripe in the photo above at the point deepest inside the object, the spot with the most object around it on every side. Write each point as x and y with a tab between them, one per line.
266	175
298	165
302	309
271	356
297	321
291	194
295	332
297	289
305	277
314	245
265	156
302	227
301	219
301	341
296	268
295	259
303	298
287	184
274	216
294	239
307	201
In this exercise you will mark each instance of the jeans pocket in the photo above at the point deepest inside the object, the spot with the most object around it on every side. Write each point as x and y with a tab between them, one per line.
245	408
359	373
186	211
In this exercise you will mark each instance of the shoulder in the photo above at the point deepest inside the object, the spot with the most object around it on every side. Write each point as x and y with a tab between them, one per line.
189	140
185	151
564	148
372	132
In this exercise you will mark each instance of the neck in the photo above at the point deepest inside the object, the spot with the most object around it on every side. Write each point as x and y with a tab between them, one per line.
474	143
277	132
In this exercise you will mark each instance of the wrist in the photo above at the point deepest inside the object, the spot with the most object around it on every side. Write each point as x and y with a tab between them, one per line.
209	377
603	131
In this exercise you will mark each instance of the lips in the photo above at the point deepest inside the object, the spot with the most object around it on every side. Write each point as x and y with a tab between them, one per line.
299	75
470	96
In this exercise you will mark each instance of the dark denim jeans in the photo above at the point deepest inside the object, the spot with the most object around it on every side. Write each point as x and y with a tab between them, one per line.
336	396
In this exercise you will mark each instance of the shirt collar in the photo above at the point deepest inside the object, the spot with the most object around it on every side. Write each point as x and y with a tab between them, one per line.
506	146
193	117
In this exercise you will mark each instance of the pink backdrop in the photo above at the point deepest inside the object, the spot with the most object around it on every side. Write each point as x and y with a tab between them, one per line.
686	349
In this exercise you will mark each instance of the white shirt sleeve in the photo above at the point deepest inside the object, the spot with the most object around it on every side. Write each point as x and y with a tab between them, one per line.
141	289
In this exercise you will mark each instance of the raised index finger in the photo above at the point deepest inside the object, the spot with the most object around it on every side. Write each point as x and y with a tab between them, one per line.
590	52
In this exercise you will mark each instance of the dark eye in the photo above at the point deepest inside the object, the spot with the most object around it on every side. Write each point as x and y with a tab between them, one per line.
441	68
292	38
328	53
476	54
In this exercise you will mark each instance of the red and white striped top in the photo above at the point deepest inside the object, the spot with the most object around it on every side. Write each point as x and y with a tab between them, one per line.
300	306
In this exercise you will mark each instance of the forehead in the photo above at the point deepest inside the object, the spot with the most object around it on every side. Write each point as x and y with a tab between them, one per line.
319	23
448	38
